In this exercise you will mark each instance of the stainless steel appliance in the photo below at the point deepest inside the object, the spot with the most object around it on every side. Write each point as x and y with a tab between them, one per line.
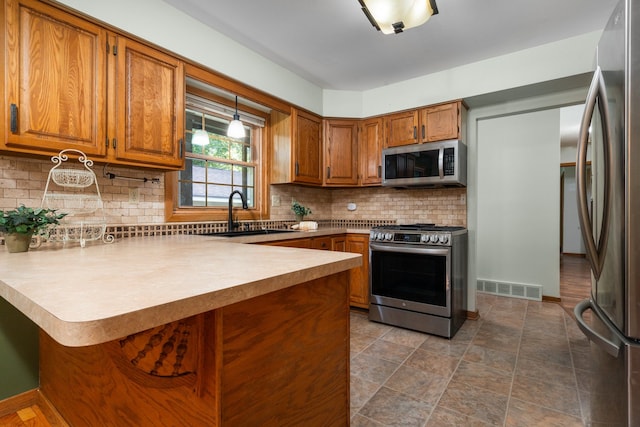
436	164
610	220
418	277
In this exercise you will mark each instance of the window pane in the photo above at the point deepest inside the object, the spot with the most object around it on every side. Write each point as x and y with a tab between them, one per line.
219	173
239	152
218	147
219	195
193	120
215	125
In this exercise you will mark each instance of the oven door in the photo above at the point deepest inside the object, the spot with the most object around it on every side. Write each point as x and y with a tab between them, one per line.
410	277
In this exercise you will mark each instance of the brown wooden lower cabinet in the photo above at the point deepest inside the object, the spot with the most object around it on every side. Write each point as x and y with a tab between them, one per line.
253	363
359	276
355	243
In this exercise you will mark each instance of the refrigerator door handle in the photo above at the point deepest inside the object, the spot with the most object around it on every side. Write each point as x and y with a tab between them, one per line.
597	95
611	347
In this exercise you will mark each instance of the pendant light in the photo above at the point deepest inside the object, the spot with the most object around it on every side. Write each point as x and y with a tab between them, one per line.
236	128
200	137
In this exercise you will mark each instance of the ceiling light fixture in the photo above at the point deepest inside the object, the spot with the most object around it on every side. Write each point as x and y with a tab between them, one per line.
236	128
395	16
200	137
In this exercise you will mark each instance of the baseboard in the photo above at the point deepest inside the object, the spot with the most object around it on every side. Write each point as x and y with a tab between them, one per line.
30	398
50	412
546	298
19	401
473	315
574	255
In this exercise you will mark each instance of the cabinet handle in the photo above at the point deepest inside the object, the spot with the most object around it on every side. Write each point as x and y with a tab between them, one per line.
423	132
14	118
297	168
181	148
114	143
379	171
415	132
106	142
328	172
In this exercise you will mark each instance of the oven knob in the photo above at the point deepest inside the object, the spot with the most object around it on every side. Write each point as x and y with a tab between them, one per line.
434	238
424	238
379	236
388	236
444	238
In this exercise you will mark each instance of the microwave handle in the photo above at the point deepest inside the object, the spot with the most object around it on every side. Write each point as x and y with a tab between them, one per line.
441	162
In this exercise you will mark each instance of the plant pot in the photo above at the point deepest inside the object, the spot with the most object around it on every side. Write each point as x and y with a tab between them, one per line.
299	218
17	242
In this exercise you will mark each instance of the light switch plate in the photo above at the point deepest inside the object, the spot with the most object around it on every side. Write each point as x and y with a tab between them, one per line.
275	201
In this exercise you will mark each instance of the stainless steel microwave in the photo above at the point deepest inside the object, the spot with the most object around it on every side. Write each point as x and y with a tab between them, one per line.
434	164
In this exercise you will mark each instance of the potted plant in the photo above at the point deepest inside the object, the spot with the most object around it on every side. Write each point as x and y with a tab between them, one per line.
300	211
20	224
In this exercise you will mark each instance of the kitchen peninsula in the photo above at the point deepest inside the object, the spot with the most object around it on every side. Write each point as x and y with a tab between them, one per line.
188	330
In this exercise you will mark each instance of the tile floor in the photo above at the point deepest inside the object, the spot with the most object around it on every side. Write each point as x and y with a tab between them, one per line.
524	363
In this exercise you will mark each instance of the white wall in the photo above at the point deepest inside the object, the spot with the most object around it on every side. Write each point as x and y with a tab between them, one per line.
518	199
572	235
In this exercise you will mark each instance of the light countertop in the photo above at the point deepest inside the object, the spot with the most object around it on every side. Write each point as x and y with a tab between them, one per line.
86	296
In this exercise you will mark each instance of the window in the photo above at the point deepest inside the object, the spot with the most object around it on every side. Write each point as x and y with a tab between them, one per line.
215	169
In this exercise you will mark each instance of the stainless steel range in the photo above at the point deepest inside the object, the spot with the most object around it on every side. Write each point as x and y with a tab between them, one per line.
418	277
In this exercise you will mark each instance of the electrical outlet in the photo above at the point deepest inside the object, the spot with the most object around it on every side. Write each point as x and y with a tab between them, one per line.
275	201
134	195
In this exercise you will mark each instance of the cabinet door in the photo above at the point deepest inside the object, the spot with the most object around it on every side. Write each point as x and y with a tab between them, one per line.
339	243
370	152
341	152
55	81
440	123
307	142
149	114
359	277
402	128
323	243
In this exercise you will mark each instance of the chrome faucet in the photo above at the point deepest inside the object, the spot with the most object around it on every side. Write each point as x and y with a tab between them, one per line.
230	225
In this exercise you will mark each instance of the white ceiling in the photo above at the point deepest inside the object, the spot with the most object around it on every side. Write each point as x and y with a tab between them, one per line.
332	44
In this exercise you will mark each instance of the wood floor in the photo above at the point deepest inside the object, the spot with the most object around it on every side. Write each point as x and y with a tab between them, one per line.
30	416
575	281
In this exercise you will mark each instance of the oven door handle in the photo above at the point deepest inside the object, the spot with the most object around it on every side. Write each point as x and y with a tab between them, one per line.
409	249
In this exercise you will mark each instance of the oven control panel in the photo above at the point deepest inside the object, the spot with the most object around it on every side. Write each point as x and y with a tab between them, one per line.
421	238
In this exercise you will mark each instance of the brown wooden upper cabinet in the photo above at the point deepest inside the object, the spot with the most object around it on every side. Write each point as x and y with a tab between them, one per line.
307	147
341	152
370	151
429	124
71	83
297	147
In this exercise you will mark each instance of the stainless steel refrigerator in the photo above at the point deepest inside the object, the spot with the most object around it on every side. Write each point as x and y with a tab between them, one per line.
608	178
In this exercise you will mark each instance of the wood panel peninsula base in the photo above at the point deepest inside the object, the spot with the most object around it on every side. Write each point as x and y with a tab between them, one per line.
277	359
187	330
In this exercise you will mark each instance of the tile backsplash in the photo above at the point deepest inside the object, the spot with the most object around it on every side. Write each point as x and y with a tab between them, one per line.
22	180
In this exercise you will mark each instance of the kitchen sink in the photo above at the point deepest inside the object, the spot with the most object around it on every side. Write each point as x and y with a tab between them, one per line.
241	233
